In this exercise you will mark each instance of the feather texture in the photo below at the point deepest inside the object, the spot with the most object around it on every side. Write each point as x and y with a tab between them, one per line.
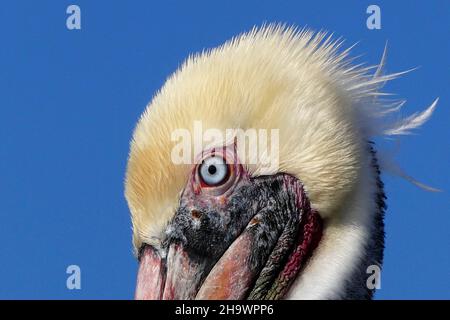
274	77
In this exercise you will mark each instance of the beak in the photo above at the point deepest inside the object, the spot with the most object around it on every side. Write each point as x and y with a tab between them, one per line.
232	254
151	275
185	275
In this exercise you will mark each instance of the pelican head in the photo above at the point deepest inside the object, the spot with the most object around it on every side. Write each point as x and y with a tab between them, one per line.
299	216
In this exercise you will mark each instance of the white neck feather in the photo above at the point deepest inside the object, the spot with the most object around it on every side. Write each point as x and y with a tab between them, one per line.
341	248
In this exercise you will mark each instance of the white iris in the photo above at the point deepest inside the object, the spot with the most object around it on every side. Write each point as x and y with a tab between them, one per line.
213	170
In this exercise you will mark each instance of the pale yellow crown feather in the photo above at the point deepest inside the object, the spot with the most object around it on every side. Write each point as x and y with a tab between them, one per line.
270	78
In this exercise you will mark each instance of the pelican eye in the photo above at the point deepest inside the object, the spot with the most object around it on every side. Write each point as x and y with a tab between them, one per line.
213	171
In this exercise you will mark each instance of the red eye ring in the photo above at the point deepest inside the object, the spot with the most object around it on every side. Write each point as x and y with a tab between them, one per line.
218	180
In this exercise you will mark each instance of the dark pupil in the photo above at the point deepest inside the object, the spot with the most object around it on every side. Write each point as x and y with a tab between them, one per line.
212	169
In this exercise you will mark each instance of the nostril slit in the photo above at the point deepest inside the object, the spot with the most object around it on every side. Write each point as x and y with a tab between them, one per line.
254	221
196	214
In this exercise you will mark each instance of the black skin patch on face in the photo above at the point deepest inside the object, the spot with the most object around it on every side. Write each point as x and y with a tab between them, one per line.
265	206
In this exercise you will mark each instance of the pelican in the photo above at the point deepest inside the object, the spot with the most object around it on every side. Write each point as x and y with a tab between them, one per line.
227	226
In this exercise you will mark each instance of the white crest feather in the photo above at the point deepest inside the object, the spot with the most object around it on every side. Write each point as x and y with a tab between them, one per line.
414	121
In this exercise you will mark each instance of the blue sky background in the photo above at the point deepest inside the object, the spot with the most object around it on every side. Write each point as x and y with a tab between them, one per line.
69	101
